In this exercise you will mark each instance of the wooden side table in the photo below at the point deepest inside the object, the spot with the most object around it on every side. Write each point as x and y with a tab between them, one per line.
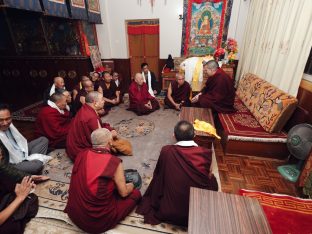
217	212
190	114
228	69
167	77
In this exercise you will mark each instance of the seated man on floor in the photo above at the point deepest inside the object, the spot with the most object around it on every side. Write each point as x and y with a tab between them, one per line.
85	122
87	87
99	196
179	167
141	101
16	185
150	79
58	83
27	157
218	93
53	121
78	87
178	93
111	92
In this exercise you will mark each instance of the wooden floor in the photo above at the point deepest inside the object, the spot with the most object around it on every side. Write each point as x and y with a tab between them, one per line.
236	172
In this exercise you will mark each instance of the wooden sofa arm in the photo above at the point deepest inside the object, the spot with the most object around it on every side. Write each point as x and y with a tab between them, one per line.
299	116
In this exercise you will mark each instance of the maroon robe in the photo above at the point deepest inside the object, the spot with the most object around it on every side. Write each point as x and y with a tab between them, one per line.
139	96
218	93
77	103
94	204
53	125
109	92
178	168
179	94
79	135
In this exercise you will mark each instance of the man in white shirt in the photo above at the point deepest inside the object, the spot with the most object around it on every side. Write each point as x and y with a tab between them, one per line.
27	157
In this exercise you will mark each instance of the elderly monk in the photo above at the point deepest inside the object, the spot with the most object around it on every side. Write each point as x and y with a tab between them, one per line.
179	167
58	83
87	87
110	90
85	122
141	101
178	93
99	196
218	93
53	121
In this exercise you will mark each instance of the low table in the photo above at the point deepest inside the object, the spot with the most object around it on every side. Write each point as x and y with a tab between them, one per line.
190	114
217	212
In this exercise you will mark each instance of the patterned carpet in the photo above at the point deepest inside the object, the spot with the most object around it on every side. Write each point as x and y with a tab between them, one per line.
156	133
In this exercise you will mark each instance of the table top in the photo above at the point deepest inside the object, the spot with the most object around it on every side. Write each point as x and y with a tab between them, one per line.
217	212
203	114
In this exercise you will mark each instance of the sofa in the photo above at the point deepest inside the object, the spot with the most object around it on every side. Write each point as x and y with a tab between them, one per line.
256	128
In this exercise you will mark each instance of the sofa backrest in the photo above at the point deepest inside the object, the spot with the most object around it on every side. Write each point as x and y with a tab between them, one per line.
270	106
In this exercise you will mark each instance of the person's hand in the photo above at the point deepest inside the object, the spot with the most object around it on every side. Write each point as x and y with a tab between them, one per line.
177	106
195	99
114	134
149	105
23	189
39	178
101	112
155	92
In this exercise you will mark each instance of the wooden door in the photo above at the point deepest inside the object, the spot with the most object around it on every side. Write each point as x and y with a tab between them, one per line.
143	41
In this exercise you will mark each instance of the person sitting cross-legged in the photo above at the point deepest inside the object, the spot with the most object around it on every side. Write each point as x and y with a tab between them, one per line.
53	121
99	196
178	93
179	167
27	157
86	120
141	101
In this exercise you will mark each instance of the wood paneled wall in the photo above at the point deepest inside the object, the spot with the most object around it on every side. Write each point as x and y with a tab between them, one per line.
24	79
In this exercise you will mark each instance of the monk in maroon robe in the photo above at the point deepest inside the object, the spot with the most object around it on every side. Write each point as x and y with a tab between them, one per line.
141	102
99	196
53	121
84	123
178	93
179	167
79	86
218	93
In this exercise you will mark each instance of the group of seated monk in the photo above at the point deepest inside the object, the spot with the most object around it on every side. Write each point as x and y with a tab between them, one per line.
99	196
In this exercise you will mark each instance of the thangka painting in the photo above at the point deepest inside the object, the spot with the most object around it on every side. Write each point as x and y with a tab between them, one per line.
205	26
95	57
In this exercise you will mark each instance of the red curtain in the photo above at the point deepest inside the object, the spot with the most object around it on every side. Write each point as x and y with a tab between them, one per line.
143	27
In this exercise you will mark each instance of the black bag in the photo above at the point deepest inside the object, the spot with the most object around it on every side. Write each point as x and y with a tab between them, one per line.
133	176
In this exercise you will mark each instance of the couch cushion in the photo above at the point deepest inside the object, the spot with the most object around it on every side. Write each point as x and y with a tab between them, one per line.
270	106
242	126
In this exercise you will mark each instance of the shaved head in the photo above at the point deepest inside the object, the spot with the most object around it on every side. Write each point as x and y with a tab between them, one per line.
59	100
138	78
101	137
93	96
212	64
184	131
59	82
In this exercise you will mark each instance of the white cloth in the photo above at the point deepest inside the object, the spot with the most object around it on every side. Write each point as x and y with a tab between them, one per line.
54	106
52	90
15	157
277	42
189	64
149	80
117	82
186	143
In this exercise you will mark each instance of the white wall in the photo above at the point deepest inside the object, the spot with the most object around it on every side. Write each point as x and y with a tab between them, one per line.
112	34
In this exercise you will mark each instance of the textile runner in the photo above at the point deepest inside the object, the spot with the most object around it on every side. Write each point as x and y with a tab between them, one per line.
78	9
205	26
94	13
243	124
286	214
30	5
56	8
143	27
